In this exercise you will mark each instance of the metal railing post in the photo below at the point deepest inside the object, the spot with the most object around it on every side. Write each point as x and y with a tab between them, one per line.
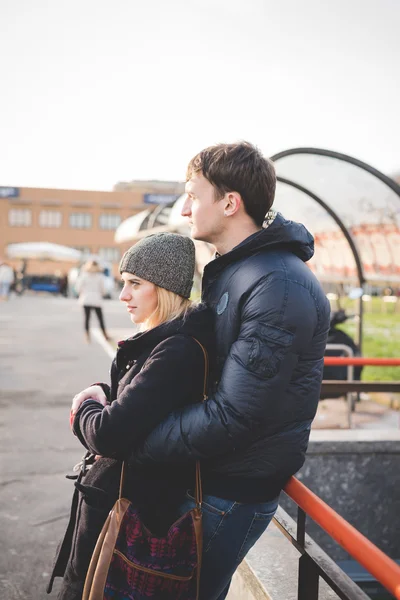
308	579
350	376
301	526
369	556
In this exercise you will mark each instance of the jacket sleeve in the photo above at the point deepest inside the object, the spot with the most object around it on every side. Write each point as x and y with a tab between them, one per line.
278	321
164	384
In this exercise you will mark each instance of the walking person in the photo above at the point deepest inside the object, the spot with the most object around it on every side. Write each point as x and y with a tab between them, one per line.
6	280
90	287
158	370
271	325
20	278
64	285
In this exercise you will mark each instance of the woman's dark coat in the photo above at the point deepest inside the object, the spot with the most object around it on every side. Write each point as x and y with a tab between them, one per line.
153	374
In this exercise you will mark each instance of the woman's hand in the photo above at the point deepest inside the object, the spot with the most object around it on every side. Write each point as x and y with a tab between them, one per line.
94	392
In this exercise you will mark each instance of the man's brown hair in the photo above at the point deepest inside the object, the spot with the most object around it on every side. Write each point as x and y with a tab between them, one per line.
238	168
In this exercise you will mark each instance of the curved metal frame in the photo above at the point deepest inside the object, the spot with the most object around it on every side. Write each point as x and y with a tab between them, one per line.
337	220
349	239
345	158
358	163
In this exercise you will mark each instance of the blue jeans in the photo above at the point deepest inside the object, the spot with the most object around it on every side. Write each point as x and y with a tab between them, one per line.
5	289
230	529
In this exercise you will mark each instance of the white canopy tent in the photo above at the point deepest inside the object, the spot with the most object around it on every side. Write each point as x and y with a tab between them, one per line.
146	222
43	251
128	229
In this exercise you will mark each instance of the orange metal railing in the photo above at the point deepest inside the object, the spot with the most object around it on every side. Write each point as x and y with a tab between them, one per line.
360	360
383	568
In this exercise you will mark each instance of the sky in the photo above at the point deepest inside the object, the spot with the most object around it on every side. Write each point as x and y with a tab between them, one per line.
99	91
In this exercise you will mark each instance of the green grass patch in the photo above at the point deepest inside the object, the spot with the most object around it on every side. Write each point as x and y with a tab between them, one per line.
381	337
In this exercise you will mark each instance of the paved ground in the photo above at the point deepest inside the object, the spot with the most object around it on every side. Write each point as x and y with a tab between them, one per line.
44	361
368	414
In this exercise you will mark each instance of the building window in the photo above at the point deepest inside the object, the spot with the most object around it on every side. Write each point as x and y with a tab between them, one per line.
20	217
50	218
109	221
109	254
80	220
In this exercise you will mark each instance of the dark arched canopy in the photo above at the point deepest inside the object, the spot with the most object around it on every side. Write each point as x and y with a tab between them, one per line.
352	209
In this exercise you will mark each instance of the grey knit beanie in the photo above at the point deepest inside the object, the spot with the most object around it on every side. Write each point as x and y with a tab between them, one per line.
166	259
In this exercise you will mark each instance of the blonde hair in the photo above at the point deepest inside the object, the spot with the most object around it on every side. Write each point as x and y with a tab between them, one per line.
170	306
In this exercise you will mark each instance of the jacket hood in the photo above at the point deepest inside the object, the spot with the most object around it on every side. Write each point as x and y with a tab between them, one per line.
284	234
199	323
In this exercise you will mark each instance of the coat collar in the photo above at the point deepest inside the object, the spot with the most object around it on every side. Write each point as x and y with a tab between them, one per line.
198	323
277	233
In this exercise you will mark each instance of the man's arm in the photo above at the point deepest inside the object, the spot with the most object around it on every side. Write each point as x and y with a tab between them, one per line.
277	318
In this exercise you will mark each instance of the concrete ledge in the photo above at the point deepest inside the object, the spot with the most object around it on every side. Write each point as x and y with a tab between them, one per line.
246	585
390	400
270	571
354	435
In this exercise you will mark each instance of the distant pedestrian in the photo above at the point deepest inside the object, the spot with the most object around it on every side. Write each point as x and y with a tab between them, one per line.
64	285
90	287
21	278
6	280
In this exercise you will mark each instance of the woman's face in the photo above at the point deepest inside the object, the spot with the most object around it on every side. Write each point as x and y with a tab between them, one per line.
140	297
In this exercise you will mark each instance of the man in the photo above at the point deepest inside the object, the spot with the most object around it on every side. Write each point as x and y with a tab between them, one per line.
272	321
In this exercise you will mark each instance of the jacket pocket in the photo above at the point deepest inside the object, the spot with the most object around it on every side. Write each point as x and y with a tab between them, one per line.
267	349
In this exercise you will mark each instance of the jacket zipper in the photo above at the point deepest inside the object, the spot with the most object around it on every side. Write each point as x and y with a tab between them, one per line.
145	570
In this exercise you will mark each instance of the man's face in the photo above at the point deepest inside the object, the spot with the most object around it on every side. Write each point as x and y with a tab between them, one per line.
205	214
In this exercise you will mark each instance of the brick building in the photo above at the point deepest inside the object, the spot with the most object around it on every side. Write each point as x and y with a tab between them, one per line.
81	219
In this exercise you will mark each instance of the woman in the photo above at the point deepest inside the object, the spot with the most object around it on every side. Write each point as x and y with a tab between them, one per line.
154	372
91	289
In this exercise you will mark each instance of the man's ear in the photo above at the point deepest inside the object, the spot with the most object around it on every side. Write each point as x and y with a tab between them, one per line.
232	203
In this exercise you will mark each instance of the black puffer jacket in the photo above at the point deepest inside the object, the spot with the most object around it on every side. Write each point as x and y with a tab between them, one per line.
153	374
272	322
